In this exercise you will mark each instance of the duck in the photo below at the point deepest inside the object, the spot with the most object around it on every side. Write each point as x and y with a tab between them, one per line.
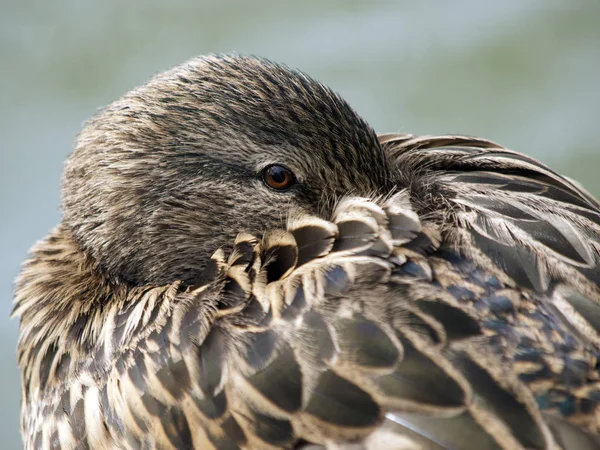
243	263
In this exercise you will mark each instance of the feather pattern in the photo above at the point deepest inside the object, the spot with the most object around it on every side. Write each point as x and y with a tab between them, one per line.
436	293
370	326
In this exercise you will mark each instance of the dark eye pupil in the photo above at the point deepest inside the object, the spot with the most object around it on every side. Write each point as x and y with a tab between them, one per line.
279	174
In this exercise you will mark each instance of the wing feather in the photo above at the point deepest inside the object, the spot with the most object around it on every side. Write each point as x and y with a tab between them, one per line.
462	312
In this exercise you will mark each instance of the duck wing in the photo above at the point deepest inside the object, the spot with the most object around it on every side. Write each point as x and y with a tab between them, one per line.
460	312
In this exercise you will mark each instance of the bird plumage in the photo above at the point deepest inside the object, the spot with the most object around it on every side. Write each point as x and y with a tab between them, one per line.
429	292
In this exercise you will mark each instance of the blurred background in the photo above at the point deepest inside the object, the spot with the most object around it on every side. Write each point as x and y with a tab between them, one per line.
524	73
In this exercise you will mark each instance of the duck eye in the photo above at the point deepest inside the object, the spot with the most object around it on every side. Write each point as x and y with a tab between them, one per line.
278	177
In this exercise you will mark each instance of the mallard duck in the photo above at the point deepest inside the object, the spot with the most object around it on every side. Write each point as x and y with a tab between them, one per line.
243	263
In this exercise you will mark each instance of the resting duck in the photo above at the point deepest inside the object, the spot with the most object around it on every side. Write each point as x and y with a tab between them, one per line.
243	263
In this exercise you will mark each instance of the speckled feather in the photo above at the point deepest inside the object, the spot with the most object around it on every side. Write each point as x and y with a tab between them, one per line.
459	311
